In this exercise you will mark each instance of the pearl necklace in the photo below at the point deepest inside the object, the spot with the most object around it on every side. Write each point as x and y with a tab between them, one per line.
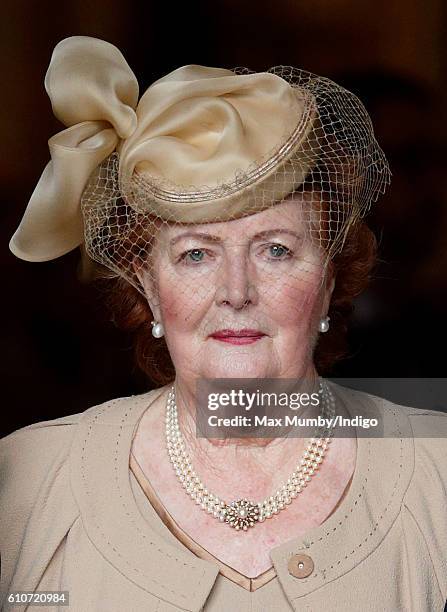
242	513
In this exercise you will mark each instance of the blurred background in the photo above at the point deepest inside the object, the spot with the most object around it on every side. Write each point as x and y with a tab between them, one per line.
61	355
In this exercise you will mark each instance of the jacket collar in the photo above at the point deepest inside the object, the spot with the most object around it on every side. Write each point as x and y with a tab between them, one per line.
99	467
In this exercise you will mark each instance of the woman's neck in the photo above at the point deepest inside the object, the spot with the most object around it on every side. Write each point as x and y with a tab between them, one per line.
247	455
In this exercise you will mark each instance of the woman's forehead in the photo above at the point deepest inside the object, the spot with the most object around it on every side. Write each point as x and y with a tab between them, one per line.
290	214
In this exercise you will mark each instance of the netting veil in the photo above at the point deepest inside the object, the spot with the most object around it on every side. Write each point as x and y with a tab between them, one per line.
218	194
330	167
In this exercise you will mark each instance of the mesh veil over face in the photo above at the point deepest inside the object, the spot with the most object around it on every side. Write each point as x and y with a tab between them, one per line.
221	195
330	183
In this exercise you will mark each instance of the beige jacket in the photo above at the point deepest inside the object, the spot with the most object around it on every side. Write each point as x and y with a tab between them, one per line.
73	516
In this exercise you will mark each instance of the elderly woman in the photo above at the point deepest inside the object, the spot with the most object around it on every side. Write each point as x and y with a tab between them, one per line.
224	208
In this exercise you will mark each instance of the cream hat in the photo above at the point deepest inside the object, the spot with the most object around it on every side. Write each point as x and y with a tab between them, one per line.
202	144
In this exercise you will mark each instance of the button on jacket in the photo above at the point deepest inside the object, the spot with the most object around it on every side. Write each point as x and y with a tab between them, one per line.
74	517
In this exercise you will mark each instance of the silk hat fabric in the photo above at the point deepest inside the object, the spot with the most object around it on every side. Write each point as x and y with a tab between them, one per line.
201	144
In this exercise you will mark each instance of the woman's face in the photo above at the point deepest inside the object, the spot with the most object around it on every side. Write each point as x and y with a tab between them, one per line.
242	298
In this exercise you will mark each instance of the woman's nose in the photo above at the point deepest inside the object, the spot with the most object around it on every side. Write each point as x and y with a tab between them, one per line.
236	285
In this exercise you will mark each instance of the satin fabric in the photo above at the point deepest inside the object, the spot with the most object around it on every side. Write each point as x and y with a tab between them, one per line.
197	126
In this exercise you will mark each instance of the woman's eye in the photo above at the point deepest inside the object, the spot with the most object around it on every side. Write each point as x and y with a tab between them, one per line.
278	251
193	255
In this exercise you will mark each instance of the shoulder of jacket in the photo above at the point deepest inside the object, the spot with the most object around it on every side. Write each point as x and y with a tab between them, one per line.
425	423
428	428
422	420
63	425
430	442
430	422
427	493
429	431
36	446
117	408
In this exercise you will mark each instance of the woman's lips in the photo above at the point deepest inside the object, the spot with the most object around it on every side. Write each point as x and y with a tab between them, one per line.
242	336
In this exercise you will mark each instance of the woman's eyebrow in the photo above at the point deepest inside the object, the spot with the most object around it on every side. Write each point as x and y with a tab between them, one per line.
203	235
278	230
211	238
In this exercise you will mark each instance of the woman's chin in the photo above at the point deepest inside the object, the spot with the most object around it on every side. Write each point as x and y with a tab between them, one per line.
239	366
238	373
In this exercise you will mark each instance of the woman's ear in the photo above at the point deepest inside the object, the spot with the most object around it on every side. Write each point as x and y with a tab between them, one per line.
148	285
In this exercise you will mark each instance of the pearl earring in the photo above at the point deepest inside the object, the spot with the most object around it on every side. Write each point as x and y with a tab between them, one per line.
157	329
323	326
